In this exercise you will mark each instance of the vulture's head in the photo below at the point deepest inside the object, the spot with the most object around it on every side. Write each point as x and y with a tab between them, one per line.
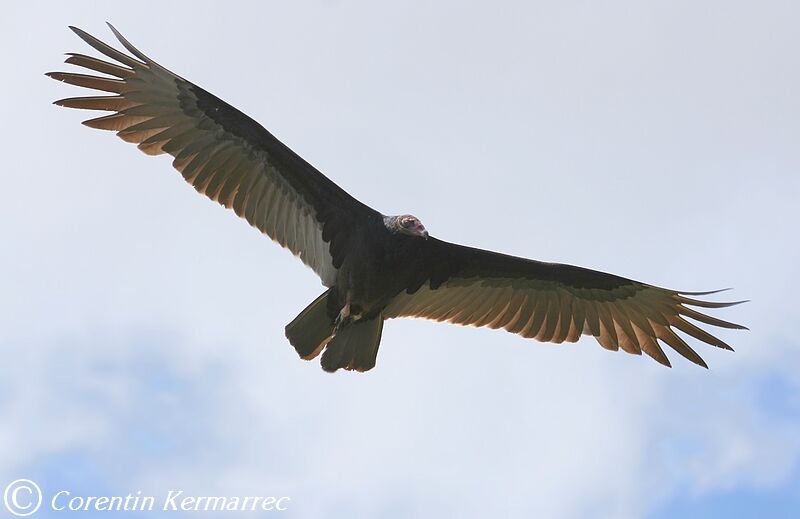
407	224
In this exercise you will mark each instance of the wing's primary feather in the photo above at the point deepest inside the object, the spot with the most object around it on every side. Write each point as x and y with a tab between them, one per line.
552	302
222	152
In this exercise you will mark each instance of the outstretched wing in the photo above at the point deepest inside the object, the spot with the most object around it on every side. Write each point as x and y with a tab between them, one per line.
220	151
551	302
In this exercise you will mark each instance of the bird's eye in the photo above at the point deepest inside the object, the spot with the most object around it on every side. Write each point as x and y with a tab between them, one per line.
409	222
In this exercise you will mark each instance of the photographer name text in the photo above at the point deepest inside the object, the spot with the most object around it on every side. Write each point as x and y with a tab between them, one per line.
24	498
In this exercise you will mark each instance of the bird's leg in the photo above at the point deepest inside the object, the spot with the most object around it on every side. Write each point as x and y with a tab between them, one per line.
344	316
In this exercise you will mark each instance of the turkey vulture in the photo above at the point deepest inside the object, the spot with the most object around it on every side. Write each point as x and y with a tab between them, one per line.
375	267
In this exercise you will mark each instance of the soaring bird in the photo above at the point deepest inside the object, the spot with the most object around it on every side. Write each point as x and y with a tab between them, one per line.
375	267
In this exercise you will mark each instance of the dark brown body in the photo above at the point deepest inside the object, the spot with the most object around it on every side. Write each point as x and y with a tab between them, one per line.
362	279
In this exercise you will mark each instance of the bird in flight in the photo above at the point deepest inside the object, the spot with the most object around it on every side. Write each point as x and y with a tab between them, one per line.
375	267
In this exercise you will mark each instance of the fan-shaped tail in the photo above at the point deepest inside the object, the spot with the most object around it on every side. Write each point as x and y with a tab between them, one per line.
355	346
310	331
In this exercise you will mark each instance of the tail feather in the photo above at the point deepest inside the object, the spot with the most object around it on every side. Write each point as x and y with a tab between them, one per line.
354	347
310	331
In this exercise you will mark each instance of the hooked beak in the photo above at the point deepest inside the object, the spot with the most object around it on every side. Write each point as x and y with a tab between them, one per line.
424	233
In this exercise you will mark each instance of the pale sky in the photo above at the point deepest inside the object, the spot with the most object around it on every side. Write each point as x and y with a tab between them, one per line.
143	326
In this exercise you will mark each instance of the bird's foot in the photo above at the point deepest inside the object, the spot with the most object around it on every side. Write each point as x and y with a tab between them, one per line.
343	318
